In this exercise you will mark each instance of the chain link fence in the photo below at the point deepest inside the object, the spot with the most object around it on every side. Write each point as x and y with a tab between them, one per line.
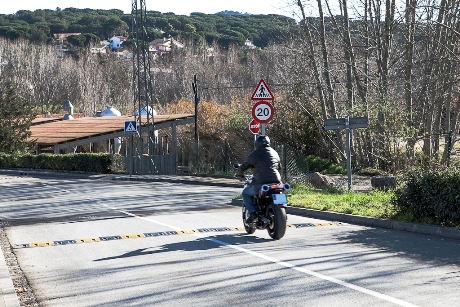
216	157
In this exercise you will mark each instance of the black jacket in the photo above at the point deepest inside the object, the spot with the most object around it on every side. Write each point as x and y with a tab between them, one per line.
265	163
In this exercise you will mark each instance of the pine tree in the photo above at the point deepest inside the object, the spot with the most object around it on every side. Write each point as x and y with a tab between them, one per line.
16	116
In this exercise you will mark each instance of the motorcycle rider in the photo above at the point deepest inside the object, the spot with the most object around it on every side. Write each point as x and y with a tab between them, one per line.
265	164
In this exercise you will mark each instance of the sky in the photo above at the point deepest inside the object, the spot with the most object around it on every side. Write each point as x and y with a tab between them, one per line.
178	7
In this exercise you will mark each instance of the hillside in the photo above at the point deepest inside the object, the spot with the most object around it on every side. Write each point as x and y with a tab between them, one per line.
225	27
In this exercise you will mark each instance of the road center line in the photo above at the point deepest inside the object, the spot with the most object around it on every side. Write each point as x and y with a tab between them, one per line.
283	263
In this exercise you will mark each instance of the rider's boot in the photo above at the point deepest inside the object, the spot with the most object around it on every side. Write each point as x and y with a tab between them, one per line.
251	218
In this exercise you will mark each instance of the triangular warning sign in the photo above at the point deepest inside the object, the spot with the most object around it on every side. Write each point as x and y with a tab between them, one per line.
262	92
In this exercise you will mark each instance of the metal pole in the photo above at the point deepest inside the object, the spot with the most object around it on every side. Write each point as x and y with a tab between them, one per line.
449	147
285	161
263	128
347	129
197	138
131	155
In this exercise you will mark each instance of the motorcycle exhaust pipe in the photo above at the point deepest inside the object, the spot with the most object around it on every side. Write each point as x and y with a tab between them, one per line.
287	186
263	190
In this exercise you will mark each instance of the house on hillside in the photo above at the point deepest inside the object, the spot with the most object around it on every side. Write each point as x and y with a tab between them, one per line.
248	45
99	49
115	42
60	40
123	55
164	45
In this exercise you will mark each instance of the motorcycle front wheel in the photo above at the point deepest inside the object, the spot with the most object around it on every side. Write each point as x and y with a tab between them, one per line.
277	216
250	230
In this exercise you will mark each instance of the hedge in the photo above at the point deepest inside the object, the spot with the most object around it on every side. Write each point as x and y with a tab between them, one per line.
81	162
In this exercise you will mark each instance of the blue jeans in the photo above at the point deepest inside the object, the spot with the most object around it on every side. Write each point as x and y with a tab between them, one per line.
247	194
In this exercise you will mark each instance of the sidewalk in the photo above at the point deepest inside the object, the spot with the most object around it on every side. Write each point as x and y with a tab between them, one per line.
8	294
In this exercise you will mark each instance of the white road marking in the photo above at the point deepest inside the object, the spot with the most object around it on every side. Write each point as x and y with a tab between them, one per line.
283	263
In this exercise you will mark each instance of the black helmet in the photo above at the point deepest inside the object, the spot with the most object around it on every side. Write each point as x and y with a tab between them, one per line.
262	141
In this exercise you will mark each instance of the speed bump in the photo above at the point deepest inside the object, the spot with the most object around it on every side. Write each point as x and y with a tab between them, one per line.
133	236
41	244
157	234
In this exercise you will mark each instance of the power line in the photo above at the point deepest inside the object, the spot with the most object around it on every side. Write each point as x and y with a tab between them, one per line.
254	86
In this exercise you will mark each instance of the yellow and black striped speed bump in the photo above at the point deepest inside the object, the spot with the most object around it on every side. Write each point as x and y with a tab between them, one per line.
156	234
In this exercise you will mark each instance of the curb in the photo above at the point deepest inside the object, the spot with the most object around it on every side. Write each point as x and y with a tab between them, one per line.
8	297
439	231
49	173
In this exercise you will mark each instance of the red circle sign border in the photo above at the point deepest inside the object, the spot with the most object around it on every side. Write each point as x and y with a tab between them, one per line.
272	109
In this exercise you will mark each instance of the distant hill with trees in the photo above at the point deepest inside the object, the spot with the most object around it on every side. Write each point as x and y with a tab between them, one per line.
225	28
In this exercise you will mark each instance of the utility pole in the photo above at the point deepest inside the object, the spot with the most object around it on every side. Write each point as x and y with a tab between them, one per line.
142	85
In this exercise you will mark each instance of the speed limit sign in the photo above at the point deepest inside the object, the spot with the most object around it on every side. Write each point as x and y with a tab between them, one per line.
263	112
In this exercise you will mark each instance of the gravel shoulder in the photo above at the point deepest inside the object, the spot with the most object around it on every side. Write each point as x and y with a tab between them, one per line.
24	291
358	183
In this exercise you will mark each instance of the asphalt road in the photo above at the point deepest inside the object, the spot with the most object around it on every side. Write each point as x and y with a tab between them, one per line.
83	242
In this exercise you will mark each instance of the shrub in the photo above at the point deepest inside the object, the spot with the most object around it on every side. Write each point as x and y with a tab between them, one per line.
92	163
430	195
370	172
324	166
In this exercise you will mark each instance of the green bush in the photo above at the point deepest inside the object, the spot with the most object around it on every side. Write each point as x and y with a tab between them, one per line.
88	163
324	166
370	172
430	195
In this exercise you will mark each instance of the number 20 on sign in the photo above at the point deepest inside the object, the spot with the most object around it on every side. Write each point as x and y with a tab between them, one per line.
263	111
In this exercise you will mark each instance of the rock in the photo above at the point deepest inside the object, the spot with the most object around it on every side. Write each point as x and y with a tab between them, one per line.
319	180
383	182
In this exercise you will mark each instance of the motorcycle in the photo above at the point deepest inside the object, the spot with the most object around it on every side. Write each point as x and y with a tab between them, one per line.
270	203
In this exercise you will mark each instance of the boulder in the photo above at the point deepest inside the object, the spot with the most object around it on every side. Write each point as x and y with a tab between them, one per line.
383	182
319	180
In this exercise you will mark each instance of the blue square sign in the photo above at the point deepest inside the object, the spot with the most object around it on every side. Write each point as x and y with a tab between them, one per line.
130	127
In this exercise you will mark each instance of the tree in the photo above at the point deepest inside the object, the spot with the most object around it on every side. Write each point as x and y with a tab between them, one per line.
16	115
76	40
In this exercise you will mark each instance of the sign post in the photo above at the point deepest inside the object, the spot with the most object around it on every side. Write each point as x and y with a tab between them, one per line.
346	123
263	110
131	129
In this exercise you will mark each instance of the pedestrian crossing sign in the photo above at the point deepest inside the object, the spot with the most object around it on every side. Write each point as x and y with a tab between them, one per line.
130	127
262	92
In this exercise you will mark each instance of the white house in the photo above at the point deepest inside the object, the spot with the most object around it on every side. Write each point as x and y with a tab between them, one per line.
248	45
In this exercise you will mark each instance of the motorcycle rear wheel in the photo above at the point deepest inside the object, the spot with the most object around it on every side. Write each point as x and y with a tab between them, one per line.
277	227
250	230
